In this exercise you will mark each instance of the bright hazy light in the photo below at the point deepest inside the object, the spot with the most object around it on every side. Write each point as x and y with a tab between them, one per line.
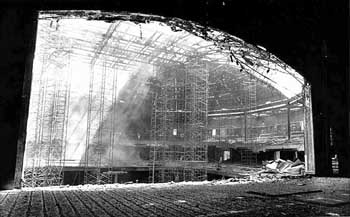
145	46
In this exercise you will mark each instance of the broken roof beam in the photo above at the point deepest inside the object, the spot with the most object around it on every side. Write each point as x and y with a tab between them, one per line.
104	42
146	57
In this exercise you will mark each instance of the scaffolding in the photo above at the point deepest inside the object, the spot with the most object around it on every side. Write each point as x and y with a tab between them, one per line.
47	145
179	122
100	134
249	94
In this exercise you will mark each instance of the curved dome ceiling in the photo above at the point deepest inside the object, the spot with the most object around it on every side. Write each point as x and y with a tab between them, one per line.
130	41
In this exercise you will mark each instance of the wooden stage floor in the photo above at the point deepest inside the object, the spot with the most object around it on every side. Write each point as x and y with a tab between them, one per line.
214	198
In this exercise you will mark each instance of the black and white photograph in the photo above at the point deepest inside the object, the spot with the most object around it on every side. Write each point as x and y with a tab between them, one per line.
174	108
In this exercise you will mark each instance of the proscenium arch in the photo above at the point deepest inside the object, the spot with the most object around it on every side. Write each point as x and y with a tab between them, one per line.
253	60
289	29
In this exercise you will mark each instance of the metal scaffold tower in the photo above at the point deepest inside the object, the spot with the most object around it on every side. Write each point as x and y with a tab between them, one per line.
247	155
101	114
100	134
45	154
179	123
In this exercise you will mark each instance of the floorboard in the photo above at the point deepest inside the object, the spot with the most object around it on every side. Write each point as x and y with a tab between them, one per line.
178	199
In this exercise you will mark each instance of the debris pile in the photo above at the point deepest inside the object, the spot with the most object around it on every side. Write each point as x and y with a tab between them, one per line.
284	167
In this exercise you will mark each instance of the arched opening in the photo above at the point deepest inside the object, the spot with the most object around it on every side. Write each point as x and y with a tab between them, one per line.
165	97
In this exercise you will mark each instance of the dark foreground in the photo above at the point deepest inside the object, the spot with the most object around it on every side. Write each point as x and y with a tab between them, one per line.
287	197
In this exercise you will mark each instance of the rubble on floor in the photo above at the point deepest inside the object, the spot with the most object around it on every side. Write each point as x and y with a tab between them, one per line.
269	171
283	168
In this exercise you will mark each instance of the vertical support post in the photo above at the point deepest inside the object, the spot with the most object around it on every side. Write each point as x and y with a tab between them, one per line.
245	127
116	178
154	161
308	133
296	155
277	155
288	120
88	128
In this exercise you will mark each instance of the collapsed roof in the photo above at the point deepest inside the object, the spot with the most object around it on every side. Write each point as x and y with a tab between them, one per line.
128	42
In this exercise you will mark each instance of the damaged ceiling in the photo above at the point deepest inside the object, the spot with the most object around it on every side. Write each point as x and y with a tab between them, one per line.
126	41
